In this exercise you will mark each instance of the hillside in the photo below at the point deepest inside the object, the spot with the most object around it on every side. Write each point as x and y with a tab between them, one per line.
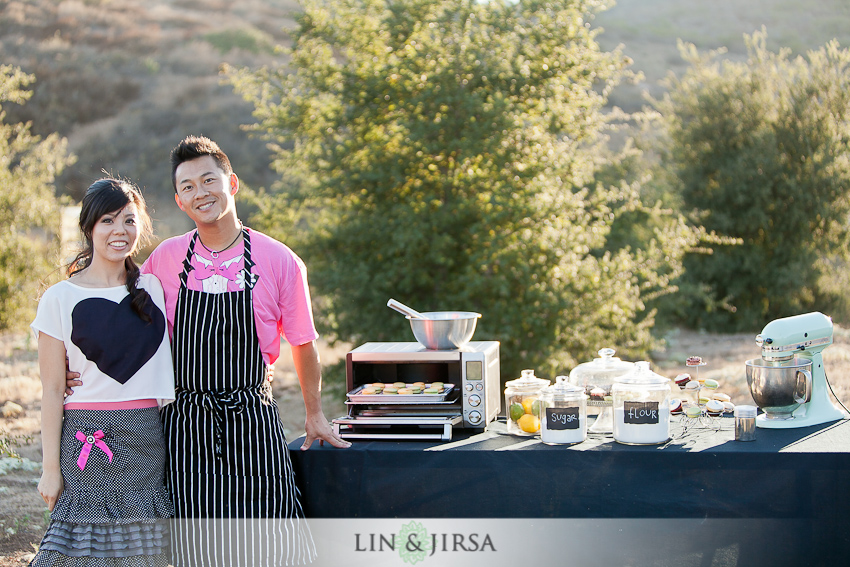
124	80
648	30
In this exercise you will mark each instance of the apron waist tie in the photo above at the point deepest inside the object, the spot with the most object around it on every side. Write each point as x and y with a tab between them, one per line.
217	403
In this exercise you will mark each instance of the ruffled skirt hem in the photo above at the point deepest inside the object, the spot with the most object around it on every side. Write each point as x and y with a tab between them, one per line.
50	558
107	540
112	507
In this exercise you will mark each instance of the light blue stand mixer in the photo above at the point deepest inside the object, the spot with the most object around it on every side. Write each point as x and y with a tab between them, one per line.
789	381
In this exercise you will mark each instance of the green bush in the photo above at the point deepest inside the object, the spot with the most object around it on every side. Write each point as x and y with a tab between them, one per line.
758	150
29	211
445	153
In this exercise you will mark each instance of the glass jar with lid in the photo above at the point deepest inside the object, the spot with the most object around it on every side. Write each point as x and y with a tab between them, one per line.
597	377
641	406
522	403
563	413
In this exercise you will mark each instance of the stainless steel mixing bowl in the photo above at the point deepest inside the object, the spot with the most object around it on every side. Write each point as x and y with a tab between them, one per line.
444	330
780	388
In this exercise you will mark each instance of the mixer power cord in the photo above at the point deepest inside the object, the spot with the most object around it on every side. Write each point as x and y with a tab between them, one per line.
833	393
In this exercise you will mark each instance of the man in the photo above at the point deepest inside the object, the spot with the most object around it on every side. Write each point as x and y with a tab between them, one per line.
230	293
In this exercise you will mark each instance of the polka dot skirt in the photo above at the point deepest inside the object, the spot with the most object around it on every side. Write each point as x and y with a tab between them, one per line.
114	511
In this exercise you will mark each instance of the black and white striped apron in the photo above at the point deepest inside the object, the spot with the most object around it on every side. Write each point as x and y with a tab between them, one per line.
230	475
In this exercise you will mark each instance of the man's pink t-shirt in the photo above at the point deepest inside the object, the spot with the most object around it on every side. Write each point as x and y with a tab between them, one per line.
281	297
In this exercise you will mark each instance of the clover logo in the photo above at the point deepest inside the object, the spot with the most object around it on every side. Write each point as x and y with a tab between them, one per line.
413	543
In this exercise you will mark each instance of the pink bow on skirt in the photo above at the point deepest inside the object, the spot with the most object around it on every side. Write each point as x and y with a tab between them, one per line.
95	439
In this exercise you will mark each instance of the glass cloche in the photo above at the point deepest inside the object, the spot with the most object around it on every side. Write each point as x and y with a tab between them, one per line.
597	377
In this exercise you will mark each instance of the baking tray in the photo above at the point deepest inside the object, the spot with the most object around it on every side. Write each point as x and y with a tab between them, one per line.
358	398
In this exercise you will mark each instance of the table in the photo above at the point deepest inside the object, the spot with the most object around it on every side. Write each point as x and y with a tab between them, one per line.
781	499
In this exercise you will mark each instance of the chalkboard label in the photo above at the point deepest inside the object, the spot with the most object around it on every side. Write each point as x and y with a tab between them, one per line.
640	412
562	418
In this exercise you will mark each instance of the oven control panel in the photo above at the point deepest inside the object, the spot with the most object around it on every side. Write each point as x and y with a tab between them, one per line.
480	385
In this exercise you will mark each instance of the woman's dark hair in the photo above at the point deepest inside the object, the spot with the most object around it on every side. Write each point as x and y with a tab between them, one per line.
103	197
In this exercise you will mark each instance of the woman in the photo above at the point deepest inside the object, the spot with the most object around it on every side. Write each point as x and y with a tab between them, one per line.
103	452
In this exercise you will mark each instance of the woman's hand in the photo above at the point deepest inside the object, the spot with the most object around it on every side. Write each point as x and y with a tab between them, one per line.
50	487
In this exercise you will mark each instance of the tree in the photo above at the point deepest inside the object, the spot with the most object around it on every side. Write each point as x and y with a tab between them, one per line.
29	211
758	150
443	152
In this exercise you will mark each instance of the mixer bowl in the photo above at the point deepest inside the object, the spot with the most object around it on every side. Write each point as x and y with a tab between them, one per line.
444	330
780	388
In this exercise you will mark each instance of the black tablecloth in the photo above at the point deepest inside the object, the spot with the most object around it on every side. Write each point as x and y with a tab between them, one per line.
787	479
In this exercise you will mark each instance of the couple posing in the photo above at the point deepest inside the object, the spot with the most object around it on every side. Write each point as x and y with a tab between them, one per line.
224	294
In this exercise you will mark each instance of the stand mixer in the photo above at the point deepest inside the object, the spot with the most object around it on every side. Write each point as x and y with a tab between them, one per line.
789	381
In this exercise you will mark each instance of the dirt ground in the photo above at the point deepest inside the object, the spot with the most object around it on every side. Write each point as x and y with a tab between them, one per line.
23	516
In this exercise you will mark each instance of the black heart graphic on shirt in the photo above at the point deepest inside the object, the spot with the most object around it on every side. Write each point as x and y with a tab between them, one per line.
113	337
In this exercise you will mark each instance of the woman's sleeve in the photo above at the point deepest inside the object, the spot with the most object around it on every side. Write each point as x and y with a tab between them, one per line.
48	318
153	286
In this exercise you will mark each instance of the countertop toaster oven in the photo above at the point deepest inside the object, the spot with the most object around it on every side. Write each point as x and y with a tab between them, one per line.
470	398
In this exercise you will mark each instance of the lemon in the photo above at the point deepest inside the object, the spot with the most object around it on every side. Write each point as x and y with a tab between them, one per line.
529	423
516	411
527	405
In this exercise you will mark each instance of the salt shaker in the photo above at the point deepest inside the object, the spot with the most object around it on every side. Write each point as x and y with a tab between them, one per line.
745	423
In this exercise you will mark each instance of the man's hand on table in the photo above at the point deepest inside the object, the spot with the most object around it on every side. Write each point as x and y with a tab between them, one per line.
317	428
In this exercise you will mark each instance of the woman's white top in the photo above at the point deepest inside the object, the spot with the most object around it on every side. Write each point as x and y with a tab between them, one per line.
119	356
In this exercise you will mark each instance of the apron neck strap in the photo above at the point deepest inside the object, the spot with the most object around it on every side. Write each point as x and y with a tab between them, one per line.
187	261
246	241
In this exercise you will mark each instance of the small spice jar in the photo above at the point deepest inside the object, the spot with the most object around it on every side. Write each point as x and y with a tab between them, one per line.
745	423
563	413
522	403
